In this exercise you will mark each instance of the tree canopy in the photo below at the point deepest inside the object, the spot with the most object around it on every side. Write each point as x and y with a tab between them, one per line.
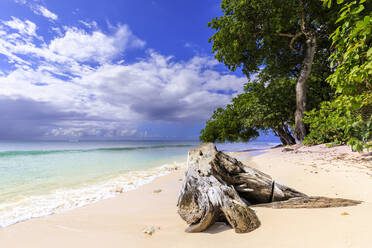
258	33
302	55
266	104
259	108
284	36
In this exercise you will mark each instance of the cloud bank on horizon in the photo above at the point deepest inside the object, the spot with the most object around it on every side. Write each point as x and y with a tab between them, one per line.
85	79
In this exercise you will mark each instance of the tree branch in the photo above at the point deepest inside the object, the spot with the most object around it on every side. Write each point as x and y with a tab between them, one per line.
294	37
303	29
286	35
303	20
293	40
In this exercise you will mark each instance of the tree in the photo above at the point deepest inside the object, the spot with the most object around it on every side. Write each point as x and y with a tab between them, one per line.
348	118
227	124
268	103
352	56
283	36
257	109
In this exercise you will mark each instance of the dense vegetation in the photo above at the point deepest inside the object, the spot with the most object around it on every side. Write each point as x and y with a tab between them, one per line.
304	55
347	119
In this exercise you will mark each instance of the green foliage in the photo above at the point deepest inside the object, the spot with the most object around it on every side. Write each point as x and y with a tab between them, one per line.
257	36
352	57
347	119
261	107
254	35
226	124
250	34
340	122
267	103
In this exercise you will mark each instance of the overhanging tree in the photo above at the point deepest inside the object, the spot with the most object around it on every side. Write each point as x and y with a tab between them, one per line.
285	37
259	108
267	104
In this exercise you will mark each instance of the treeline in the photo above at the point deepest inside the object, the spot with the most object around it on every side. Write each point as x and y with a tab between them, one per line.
308	64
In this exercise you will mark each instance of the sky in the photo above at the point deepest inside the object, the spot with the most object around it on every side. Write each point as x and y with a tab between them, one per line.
118	69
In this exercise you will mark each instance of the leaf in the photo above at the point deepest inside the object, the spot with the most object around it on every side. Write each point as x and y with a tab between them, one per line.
367	19
358	10
341	18
369	52
360	24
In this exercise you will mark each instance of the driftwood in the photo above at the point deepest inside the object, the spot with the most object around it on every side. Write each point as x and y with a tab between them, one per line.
218	187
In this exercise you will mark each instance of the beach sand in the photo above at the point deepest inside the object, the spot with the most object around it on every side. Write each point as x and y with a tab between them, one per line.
120	221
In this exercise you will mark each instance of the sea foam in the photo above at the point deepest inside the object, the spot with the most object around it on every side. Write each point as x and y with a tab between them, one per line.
64	199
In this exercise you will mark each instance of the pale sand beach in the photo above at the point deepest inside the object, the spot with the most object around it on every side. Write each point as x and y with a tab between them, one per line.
120	221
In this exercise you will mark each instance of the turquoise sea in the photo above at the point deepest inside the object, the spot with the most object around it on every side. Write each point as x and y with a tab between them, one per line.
42	178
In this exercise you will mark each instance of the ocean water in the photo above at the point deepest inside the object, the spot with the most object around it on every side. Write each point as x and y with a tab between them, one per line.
42	178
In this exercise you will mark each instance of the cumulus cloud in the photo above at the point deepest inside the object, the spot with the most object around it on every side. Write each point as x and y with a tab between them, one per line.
70	48
96	46
54	90
158	88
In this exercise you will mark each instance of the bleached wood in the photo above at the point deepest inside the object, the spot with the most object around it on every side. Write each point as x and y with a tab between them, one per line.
218	187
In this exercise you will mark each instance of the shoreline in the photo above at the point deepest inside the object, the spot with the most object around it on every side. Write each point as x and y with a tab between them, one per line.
120	221
67	199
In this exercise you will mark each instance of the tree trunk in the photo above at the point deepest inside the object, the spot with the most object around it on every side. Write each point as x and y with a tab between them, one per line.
217	187
300	130
284	135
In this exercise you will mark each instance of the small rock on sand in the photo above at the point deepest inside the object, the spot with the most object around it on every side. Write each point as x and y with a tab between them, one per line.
345	213
157	191
151	230
173	167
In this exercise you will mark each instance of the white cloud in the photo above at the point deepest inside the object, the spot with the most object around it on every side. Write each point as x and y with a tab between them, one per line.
109	99
21	1
57	30
41	10
153	89
96	46
91	25
24	27
38	9
70	48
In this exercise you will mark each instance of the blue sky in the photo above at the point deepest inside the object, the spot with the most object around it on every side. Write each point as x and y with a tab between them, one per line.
118	69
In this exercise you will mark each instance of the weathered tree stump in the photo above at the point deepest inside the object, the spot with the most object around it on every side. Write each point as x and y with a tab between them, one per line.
218	187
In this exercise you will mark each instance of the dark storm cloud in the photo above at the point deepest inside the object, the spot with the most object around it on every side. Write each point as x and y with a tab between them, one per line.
173	111
160	110
25	118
